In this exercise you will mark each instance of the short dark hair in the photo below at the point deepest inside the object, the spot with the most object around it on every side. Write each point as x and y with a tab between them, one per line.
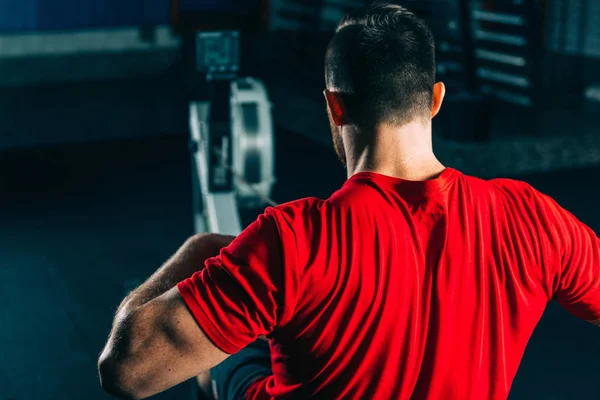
382	58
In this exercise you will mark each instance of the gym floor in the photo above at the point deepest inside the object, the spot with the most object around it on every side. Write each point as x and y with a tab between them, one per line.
82	224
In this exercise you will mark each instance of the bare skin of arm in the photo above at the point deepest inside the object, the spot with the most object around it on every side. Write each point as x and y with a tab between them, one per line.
155	342
188	260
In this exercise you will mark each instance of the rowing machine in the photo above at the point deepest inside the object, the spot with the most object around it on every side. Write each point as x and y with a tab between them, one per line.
231	137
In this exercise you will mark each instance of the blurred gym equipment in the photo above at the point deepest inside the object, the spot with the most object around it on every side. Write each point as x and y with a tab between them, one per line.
231	128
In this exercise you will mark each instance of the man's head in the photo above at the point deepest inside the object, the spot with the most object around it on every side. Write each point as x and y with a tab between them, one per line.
380	69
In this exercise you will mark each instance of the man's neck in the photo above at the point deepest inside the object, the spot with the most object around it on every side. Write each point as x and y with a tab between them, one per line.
404	152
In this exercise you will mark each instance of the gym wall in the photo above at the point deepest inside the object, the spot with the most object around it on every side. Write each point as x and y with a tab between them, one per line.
61	41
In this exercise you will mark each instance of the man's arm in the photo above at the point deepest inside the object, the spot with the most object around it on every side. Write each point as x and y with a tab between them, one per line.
155	342
574	249
184	263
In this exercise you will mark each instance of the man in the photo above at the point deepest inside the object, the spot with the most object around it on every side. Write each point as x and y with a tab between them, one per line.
413	281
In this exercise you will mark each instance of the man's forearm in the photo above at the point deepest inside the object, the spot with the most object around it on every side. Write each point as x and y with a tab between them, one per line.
184	263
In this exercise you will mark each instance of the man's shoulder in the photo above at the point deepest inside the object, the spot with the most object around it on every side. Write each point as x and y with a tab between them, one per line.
511	192
300	205
297	210
297	221
519	194
503	184
513	187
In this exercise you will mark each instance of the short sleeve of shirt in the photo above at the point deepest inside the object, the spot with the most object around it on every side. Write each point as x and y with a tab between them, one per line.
250	289
576	254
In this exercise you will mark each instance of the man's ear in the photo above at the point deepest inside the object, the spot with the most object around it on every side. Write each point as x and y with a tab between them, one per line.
439	91
336	107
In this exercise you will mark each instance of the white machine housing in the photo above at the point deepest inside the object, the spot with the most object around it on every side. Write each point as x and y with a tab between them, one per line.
252	164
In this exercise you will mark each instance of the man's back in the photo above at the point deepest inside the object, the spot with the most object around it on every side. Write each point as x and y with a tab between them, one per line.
390	289
425	290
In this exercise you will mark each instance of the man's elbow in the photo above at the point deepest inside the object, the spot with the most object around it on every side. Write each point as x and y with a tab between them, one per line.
117	379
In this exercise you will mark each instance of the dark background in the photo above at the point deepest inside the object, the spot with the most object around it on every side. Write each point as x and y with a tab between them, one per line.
95	185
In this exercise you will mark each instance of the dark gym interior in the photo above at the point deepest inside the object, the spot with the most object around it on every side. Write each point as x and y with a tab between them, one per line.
95	170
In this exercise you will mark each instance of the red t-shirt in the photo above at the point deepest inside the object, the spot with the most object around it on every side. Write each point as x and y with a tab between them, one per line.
394	289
